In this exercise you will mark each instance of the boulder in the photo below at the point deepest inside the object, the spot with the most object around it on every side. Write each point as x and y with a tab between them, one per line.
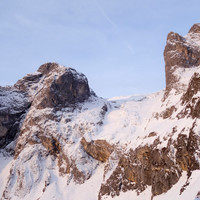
98	149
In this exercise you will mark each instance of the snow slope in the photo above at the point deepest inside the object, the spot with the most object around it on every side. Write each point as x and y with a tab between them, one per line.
126	124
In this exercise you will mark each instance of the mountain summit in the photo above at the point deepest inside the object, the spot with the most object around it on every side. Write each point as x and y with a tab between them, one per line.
60	141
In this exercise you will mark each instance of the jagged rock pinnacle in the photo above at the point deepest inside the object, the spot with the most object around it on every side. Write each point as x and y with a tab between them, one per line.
180	52
195	28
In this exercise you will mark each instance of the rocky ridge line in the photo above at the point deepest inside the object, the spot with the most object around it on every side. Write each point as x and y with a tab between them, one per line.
47	126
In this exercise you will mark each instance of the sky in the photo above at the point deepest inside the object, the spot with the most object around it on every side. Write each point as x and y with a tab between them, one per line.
117	44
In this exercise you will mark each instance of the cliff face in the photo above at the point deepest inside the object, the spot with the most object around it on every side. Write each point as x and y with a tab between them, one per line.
181	52
68	142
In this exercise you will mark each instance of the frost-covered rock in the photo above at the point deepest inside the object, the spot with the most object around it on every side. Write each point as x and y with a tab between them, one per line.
13	105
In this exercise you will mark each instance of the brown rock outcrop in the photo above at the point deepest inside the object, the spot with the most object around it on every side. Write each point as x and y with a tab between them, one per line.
193	88
187	147
179	53
190	99
98	149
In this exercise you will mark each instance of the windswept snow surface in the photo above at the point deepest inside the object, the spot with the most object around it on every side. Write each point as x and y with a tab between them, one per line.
59	190
5	164
127	118
130	120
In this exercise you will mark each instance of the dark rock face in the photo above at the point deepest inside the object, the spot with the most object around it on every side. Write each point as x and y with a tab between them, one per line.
179	53
13	106
61	89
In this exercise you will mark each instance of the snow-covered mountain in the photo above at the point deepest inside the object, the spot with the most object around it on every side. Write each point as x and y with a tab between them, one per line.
60	141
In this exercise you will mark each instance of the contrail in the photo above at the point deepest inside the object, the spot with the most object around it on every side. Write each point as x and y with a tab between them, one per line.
105	15
114	26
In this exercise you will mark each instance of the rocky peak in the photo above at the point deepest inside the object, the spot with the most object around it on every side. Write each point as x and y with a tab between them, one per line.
195	28
180	53
47	68
55	86
62	87
193	36
52	86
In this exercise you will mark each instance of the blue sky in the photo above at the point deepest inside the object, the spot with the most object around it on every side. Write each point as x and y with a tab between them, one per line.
117	44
